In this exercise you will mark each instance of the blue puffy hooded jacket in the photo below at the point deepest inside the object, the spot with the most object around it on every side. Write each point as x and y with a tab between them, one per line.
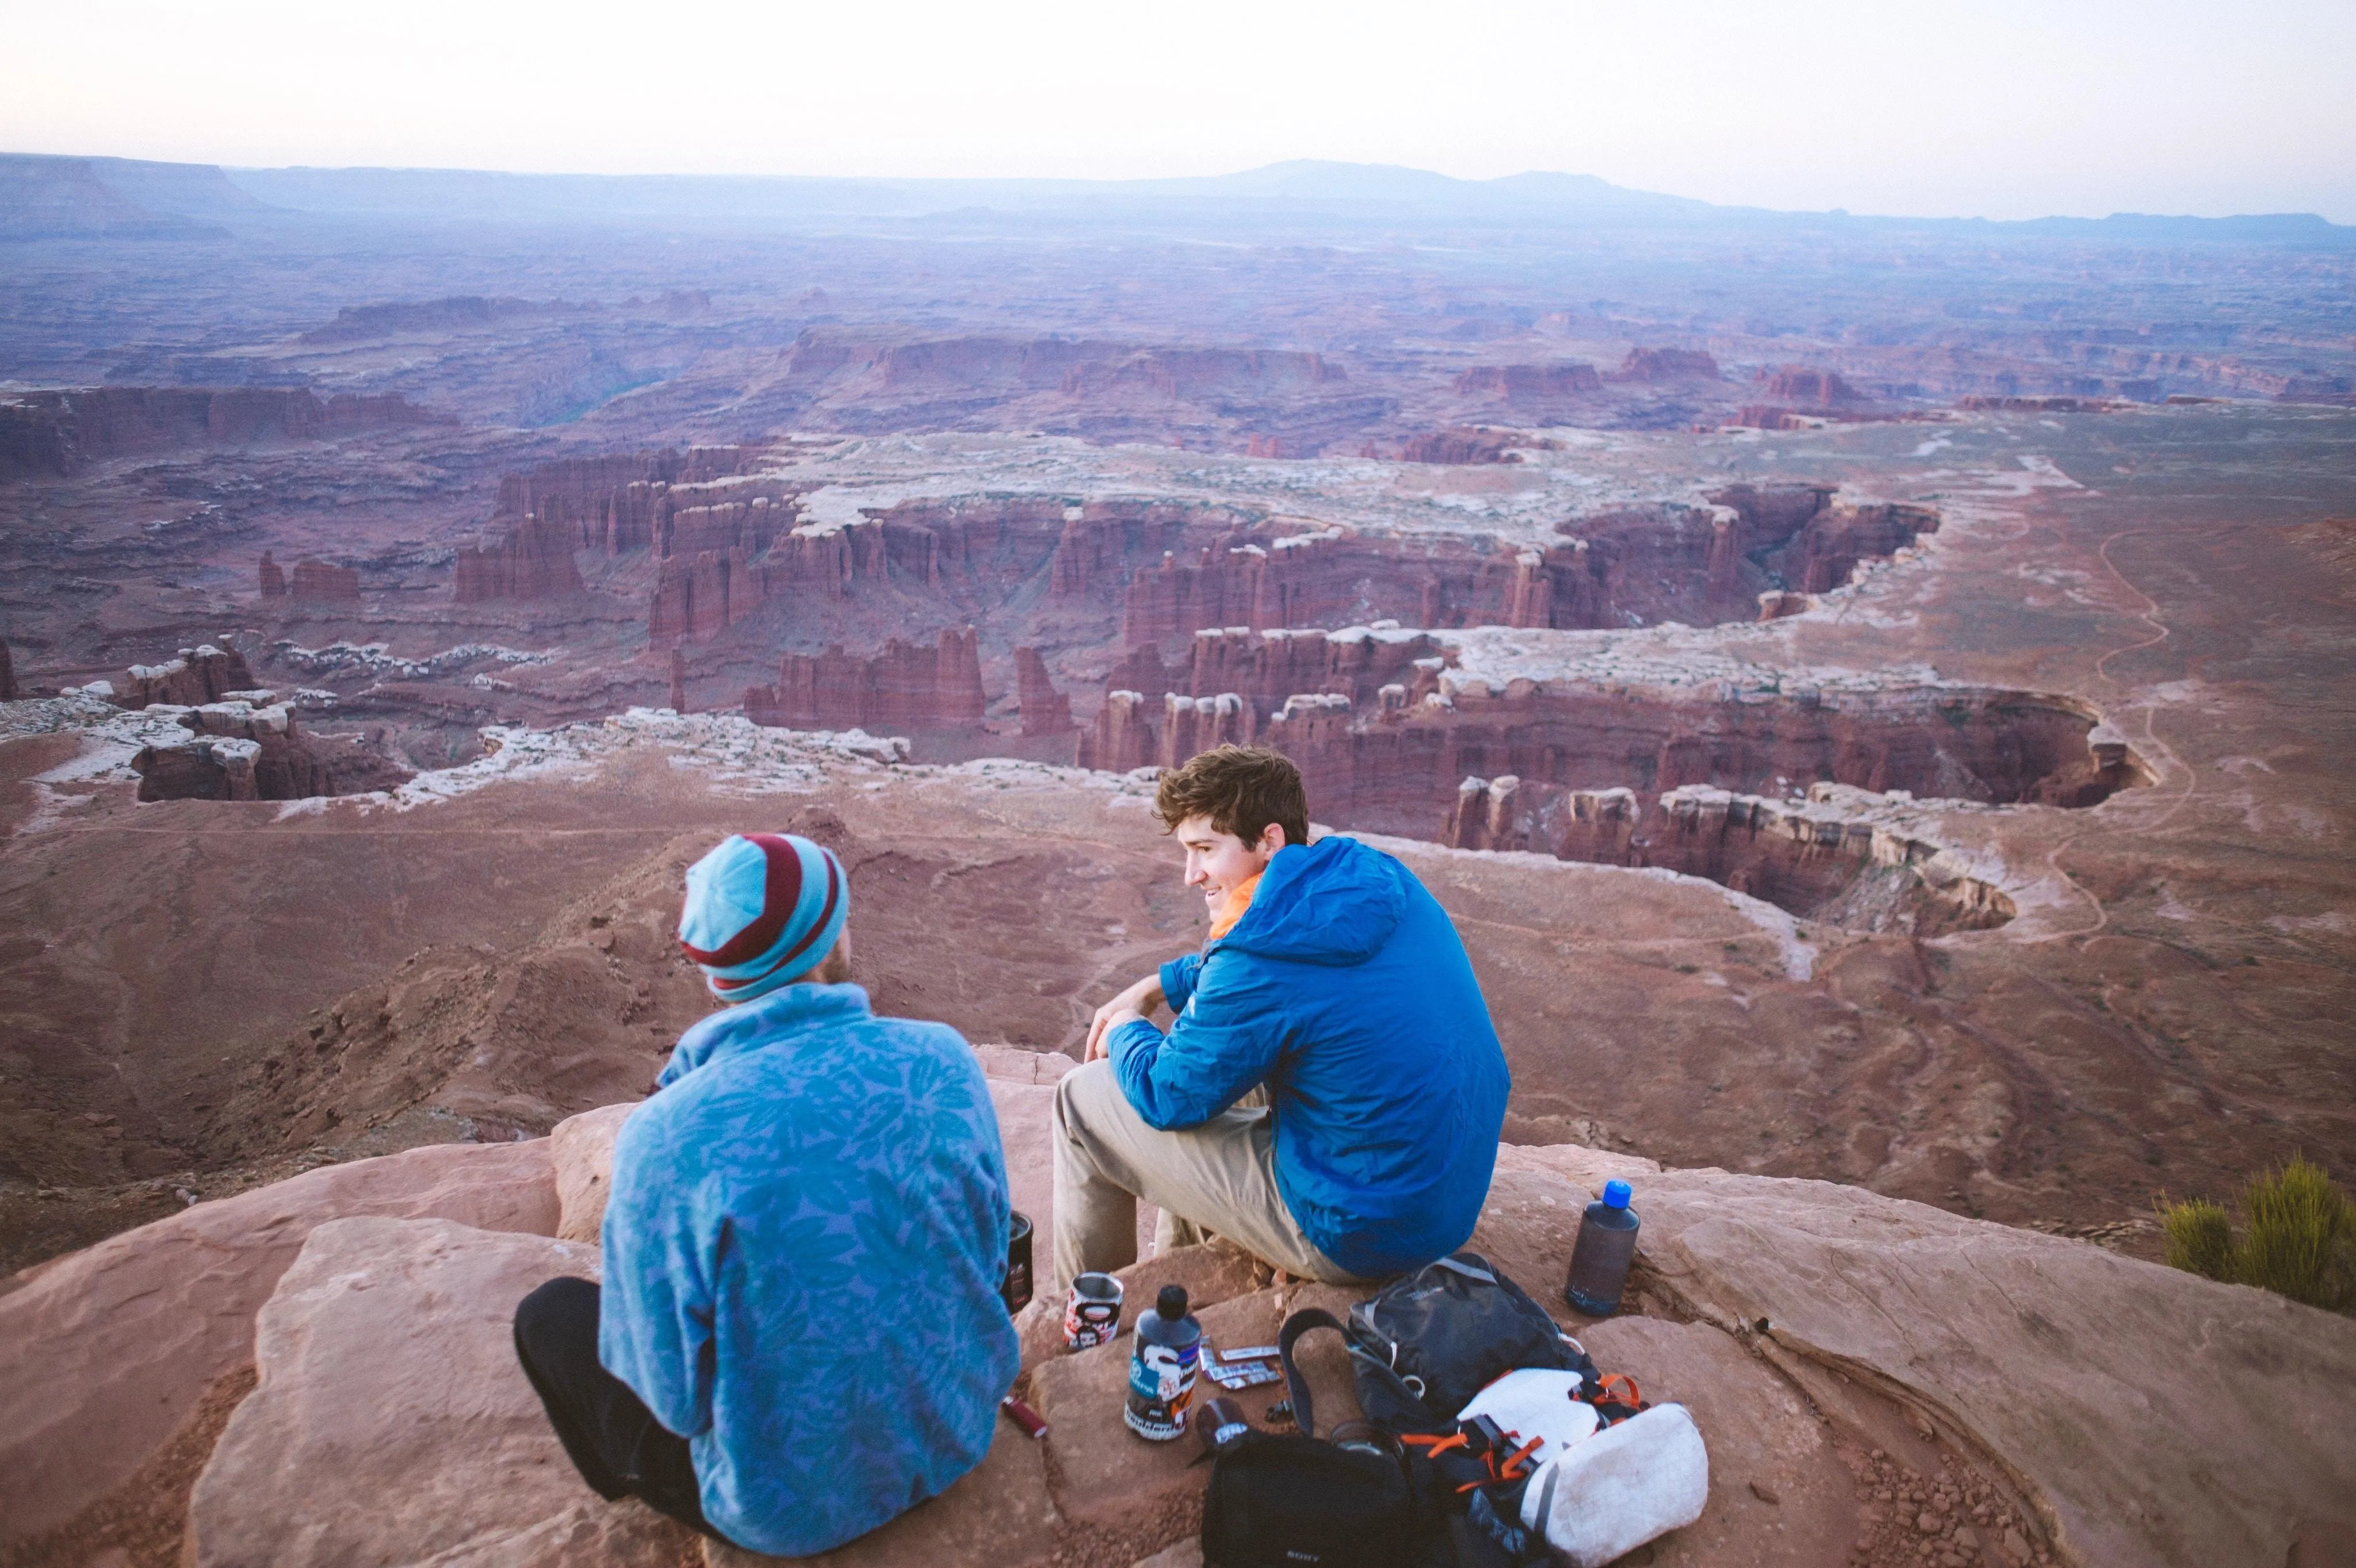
1345	990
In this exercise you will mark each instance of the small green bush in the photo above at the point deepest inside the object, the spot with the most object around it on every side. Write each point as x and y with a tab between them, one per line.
2200	1237
2300	1232
2298	1237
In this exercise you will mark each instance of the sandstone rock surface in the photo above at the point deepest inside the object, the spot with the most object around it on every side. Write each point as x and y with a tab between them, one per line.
581	1148
2104	1388
2033	1391
393	1423
104	1353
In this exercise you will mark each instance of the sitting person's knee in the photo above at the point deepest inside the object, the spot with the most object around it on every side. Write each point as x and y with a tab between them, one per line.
1085	1089
559	1309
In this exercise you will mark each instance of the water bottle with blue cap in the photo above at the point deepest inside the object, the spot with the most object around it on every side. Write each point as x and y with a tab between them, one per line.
1606	1245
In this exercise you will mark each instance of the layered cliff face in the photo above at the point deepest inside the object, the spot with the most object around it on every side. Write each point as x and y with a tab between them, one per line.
248	747
1045	710
1807	388
1235	681
56	433
995	367
612	505
904	687
1206	394
1530	386
198	675
1386	741
531	559
1635	566
1843	857
1649	365
324	583
1459	444
619	503
1398	770
956	561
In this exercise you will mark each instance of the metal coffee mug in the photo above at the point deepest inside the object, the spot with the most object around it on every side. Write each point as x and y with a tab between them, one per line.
1092	1317
1016	1289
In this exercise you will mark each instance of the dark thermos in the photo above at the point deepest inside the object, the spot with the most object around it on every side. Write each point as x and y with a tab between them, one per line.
1598	1261
1016	1289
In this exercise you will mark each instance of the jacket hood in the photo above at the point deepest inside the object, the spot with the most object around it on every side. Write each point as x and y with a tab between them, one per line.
1334	902
749	1025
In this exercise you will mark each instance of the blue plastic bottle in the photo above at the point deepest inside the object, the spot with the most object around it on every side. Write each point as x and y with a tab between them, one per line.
1606	1245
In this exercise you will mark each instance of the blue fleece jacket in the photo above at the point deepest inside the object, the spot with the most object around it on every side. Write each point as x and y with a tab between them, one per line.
1344	989
804	1245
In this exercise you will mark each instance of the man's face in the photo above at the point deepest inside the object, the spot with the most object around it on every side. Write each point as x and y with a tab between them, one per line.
1219	863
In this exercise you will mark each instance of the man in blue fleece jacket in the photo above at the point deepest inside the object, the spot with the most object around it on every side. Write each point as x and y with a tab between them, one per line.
801	1333
1330	1093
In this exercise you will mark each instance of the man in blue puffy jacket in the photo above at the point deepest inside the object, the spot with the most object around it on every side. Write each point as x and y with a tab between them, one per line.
1330	1093
799	1335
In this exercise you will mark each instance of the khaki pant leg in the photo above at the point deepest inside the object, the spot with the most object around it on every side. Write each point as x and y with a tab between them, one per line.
1219	1177
1170	1231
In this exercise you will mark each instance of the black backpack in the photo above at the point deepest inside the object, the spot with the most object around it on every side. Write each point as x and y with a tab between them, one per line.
1419	1348
1298	1501
1426	1343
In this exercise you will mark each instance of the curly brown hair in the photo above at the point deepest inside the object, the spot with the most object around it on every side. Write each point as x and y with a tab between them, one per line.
1241	789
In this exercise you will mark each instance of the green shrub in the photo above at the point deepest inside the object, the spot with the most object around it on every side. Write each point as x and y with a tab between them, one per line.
2200	1237
2298	1237
2299	1232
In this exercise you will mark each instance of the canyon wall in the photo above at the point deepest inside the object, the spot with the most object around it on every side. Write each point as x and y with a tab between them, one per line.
612	505
323	582
964	560
272	581
7	675
906	687
56	433
1045	710
1632	566
529	559
1843	856
1806	388
250	748
1654	365
1530	385
1384	742
1397	770
198	675
848	364
1459	444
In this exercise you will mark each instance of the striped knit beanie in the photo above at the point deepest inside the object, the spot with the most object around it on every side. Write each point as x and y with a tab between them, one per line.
762	909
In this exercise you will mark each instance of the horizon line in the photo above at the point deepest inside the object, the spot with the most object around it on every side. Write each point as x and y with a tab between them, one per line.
228	169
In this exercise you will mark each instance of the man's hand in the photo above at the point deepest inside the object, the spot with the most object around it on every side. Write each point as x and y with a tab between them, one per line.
1135	1002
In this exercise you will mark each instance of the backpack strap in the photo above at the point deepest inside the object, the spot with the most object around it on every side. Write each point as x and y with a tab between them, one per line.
1472	1265
1296	1387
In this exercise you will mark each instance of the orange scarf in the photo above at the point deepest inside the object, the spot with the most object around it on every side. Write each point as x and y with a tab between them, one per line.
1239	900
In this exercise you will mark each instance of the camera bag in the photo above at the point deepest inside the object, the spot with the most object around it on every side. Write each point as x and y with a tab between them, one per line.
1294	1501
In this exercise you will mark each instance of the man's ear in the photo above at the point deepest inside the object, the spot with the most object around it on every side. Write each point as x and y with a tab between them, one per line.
1271	838
835	968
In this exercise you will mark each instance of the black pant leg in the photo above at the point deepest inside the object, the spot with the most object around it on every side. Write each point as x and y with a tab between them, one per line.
615	1442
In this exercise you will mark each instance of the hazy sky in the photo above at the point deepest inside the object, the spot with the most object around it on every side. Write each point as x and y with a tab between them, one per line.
1995	108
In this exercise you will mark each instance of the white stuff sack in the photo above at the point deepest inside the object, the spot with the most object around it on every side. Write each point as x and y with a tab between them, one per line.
1536	1403
1619	1489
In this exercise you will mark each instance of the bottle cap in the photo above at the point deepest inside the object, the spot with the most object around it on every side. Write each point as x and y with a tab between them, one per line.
1615	1195
1172	1303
